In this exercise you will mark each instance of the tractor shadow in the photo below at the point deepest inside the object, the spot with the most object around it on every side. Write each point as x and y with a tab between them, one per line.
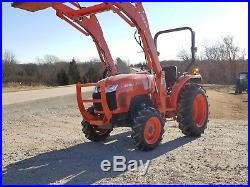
80	164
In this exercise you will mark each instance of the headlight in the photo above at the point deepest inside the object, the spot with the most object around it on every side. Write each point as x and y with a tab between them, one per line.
111	88
96	89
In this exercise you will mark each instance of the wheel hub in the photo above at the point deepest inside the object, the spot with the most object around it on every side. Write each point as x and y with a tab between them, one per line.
199	110
152	130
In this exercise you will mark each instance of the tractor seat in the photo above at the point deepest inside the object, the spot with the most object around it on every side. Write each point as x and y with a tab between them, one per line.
170	75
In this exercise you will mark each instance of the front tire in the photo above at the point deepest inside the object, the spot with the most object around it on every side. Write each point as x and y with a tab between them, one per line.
193	110
147	129
93	132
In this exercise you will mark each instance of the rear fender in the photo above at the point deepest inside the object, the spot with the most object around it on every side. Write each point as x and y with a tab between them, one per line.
179	85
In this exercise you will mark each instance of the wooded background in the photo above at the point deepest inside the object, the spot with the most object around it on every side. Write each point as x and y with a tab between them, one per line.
219	63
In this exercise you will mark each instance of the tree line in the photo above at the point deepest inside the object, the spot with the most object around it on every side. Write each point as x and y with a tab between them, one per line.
51	71
219	64
222	50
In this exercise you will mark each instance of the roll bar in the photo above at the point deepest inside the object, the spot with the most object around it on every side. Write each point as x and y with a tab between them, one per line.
193	48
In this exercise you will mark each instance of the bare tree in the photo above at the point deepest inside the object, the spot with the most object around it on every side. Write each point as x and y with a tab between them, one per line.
9	57
39	60
50	59
184	55
213	52
243	54
229	50
224	50
8	65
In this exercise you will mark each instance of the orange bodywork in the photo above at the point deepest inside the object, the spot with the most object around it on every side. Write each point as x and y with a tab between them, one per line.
129	86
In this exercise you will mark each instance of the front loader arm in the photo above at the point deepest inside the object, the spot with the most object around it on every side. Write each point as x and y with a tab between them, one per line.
33	7
83	19
89	26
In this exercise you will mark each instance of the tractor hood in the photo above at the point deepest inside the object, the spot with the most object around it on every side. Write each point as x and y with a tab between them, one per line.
127	82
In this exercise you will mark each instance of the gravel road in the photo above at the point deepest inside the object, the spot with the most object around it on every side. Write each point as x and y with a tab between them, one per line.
32	95
43	144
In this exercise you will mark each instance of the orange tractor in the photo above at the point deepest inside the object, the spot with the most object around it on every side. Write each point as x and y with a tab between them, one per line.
142	101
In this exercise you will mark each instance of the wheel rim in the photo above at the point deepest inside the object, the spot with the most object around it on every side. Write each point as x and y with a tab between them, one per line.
199	112
152	130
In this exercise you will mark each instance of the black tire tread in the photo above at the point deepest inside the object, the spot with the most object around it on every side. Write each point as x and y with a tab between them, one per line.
138	128
89	130
90	134
184	114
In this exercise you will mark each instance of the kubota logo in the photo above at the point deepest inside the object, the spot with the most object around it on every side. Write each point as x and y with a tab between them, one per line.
120	164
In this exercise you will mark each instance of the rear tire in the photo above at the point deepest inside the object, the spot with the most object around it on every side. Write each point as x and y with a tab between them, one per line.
193	110
93	132
147	129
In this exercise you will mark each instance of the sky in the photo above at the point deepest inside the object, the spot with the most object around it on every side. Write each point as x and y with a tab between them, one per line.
33	35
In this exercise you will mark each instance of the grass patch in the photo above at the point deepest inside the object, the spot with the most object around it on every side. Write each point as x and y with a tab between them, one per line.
15	87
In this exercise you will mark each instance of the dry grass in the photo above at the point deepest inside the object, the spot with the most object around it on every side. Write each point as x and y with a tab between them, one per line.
15	87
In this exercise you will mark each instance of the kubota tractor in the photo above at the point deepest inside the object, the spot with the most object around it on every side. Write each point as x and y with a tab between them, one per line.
141	101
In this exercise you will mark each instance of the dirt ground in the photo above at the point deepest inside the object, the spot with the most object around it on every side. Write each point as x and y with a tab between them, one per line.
43	144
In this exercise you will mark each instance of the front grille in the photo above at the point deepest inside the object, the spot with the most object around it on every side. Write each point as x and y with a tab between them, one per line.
111	100
97	106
